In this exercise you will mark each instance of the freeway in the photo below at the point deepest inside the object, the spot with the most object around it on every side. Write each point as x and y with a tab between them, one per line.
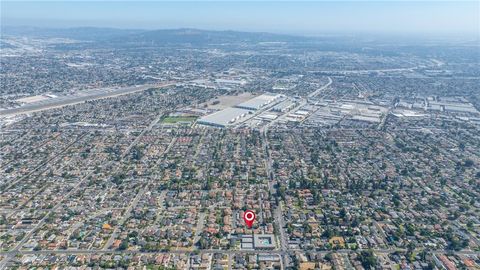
365	71
316	92
80	97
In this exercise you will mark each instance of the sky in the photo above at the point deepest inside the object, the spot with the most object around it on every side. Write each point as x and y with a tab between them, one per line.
290	17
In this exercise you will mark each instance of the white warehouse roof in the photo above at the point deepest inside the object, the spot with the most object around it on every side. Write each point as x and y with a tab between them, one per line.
258	102
225	117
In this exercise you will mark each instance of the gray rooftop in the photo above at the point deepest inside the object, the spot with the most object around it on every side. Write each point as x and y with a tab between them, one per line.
264	241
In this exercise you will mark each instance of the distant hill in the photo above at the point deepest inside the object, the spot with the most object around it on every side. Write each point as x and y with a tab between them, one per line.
157	37
203	37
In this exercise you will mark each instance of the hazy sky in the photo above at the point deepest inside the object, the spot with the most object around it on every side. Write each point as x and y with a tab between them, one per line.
312	17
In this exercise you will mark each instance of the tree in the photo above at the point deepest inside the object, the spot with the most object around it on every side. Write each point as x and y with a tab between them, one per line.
368	259
123	245
468	163
328	257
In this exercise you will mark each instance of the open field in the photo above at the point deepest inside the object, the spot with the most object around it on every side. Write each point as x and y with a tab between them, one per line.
32	99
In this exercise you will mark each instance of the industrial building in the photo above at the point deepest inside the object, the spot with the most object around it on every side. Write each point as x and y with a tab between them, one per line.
224	118
259	102
234	115
283	106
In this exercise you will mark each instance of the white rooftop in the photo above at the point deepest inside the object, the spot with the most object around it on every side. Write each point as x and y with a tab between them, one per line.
225	117
258	102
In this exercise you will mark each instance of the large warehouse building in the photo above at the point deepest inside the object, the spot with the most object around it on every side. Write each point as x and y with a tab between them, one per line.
224	118
233	115
259	102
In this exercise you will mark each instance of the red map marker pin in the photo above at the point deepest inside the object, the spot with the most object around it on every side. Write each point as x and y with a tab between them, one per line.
249	217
